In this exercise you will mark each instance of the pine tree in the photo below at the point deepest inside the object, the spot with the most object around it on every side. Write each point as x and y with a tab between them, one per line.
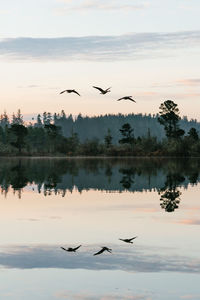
108	139
127	133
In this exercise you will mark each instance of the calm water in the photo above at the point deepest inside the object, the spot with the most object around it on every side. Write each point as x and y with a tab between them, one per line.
49	203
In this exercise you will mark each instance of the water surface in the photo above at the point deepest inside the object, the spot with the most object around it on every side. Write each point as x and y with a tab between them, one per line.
49	203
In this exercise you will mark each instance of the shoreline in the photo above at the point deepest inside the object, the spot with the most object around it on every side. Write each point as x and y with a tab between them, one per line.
97	157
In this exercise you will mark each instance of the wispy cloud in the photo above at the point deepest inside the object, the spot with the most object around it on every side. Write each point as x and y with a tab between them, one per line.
100	48
101	5
191	296
31	86
190	222
189	82
137	259
4	12
88	296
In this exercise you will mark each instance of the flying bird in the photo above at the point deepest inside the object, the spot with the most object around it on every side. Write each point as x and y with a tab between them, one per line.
130	241
103	92
102	250
71	249
70	91
127	98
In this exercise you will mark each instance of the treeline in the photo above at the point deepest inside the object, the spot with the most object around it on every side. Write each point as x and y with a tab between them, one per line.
88	128
164	134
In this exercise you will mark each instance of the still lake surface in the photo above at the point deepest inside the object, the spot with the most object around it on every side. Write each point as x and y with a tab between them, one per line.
46	204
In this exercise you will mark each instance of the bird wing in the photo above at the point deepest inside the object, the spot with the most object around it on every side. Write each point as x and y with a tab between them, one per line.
109	250
63	248
63	91
133	238
131	99
99	252
108	89
76	92
77	247
98	88
120	99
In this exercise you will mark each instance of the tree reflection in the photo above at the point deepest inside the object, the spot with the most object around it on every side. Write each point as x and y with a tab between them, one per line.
170	194
193	178
108	172
127	179
18	177
58	176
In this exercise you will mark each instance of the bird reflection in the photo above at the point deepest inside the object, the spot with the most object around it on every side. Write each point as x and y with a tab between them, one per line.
102	250
130	241
70	249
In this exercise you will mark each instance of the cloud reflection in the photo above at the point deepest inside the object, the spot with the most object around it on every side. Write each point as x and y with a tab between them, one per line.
86	296
131	259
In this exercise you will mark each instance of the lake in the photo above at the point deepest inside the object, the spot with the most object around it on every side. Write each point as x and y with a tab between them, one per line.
48	203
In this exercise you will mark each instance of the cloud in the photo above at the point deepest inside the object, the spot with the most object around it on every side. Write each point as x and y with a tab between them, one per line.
99	48
86	296
190	222
190	296
4	12
101	5
29	219
30	86
189	82
130	259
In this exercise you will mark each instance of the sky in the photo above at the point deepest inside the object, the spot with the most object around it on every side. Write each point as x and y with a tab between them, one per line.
145	48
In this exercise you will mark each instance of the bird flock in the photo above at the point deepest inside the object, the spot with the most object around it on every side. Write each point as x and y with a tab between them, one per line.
102	92
103	249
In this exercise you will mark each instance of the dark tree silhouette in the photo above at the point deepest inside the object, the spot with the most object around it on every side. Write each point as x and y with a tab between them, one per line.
108	139
18	176
19	132
193	134
169	118
127	133
170	195
127	178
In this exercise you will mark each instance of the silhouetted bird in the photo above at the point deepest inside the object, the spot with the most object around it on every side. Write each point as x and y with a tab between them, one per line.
130	241
103	249
70	91
127	98
71	249
103	92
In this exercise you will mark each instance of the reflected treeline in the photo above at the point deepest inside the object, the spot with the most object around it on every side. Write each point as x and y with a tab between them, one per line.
48	175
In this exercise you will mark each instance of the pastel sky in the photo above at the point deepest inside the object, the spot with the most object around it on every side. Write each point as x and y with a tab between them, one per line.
145	48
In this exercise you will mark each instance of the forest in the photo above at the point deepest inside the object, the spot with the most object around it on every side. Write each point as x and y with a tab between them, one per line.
164	134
